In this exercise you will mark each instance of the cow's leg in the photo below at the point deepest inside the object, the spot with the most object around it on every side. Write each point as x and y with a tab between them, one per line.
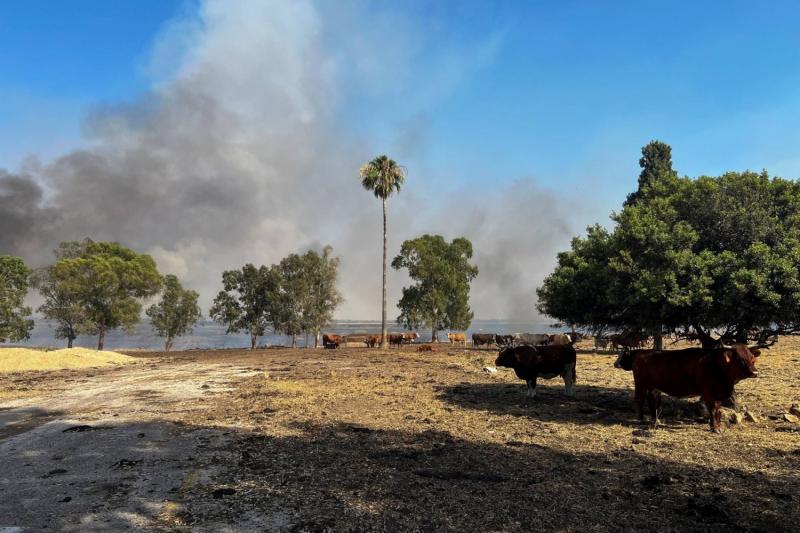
714	414
651	405
531	387
639	394
569	379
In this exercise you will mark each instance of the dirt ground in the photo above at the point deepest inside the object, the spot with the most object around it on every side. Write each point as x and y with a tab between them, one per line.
369	440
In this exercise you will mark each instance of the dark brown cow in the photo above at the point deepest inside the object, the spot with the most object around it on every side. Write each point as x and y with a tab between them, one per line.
426	348
626	357
504	340
331	341
373	341
708	373
479	339
626	340
395	339
530	362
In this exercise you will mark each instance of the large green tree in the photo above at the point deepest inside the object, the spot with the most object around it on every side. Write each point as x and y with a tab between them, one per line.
109	280
383	176
177	312
717	255
15	321
439	299
247	302
61	305
322	298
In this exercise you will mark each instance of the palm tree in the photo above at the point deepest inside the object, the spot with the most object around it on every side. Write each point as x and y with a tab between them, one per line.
383	176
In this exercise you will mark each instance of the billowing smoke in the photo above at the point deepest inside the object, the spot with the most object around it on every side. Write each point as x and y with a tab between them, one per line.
242	154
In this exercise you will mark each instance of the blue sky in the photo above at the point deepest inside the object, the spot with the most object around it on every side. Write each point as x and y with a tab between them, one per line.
565	92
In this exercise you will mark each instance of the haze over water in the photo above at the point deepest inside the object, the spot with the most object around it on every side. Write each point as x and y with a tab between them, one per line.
209	334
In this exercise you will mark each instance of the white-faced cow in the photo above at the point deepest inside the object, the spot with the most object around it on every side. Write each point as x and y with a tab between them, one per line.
530	363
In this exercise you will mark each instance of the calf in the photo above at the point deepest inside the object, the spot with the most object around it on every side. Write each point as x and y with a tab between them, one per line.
426	348
411	336
548	362
560	339
708	373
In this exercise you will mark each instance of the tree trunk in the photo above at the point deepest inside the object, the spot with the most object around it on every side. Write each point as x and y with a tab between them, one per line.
383	300
433	334
101	340
69	342
658	339
316	338
253	340
294	340
168	345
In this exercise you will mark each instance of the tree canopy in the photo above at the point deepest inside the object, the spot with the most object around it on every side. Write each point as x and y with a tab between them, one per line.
440	297
108	280
176	313
295	296
246	303
61	304
15	321
718	255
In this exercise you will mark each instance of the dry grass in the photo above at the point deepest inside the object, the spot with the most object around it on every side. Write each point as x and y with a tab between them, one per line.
372	440
26	359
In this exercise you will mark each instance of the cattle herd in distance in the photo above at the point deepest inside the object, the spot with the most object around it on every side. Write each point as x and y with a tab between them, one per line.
710	373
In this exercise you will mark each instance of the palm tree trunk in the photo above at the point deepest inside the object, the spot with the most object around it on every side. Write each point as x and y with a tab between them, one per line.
383	311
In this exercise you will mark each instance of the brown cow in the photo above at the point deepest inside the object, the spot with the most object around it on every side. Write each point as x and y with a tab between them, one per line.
395	339
530	362
331	341
373	341
455	338
426	348
479	339
708	373
626	340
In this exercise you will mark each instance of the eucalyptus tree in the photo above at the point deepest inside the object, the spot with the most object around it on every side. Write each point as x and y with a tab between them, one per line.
15	321
439	298
176	313
383	177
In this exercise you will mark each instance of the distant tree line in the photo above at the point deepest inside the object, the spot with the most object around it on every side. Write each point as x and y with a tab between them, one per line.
97	287
713	257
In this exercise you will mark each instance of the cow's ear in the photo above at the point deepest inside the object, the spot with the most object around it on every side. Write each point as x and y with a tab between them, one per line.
755	351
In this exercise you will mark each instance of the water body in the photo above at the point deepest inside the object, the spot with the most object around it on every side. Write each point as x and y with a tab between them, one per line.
209	334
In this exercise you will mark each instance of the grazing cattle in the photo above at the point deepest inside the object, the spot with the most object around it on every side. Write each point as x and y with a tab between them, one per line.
626	340
601	343
504	340
373	341
534	339
530	362
479	339
331	341
426	348
395	339
410	336
560	339
708	373
456	338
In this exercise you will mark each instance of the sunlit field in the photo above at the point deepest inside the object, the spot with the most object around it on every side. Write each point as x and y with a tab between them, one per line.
359	439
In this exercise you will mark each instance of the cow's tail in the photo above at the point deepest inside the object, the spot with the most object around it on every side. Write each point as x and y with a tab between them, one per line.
574	374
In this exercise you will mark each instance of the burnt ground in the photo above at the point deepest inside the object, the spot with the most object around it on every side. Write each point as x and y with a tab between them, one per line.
358	439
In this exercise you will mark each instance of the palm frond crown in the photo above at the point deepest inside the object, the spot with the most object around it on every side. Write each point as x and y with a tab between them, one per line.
383	176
